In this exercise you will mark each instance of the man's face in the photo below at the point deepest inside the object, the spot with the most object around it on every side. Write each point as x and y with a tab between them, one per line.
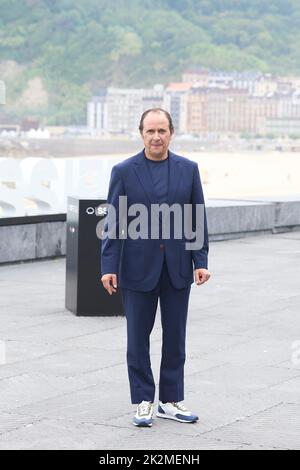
156	135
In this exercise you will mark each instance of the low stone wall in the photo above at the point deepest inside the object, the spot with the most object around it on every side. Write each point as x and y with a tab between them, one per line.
29	238
232	218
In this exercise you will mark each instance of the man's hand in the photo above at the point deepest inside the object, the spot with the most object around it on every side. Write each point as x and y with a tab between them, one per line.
201	276
109	282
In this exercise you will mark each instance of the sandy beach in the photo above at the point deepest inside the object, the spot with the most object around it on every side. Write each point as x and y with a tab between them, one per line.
244	174
233	175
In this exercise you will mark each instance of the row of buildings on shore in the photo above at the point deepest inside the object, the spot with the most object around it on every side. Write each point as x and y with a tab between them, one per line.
205	103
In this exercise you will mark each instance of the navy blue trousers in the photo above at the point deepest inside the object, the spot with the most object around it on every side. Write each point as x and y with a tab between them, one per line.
140	310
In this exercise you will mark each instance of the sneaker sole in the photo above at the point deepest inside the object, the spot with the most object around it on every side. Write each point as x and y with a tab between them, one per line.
143	425
160	415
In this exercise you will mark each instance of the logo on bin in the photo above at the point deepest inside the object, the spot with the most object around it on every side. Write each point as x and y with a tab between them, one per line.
99	211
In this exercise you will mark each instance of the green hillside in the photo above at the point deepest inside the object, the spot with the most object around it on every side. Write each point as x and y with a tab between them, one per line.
66	50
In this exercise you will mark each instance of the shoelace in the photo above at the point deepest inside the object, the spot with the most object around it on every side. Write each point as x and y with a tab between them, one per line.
180	406
144	408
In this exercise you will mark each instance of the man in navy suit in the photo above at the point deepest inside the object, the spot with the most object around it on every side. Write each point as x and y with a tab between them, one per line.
151	264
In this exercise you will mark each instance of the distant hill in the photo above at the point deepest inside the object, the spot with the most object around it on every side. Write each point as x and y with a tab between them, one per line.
62	51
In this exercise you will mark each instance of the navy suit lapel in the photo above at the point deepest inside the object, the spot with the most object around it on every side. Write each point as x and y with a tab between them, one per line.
174	177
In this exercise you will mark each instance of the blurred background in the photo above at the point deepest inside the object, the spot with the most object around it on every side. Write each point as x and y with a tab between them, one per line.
76	76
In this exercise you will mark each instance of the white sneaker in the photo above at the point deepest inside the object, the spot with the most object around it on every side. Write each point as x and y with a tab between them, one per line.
176	411
143	416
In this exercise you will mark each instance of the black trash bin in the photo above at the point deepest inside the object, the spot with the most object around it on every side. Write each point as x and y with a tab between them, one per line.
85	295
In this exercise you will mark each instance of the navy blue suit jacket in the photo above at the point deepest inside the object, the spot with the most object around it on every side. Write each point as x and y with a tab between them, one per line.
138	262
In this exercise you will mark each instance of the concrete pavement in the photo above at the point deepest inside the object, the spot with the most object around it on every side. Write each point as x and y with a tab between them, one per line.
63	379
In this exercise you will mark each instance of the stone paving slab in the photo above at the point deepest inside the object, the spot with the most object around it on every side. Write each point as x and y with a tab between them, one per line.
66	363
62	435
263	427
64	384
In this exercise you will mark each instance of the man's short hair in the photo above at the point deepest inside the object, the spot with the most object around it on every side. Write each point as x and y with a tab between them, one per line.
156	110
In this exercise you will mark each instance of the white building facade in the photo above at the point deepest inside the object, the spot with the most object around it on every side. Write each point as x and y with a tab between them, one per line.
118	110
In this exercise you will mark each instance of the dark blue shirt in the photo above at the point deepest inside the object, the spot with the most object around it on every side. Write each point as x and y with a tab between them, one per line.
159	171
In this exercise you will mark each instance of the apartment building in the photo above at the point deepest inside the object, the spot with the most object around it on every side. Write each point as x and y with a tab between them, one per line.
176	102
118	110
204	103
